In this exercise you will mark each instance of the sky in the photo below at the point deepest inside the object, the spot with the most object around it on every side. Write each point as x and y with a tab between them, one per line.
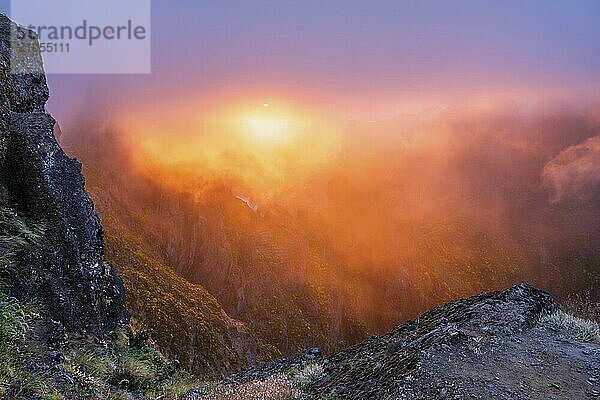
361	58
305	103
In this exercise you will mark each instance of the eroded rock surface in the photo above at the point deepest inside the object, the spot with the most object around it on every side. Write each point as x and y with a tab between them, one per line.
372	368
495	345
66	273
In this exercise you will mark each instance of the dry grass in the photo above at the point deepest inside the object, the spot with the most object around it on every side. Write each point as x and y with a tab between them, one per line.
277	387
583	305
283	386
576	328
309	373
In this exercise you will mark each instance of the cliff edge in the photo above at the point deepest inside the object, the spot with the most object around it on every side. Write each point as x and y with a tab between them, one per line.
66	272
512	344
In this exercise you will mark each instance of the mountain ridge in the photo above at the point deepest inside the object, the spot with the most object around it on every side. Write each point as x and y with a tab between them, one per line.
511	344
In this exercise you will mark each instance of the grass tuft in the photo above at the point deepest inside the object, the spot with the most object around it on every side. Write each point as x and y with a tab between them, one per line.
309	373
125	367
15	233
16	318
576	328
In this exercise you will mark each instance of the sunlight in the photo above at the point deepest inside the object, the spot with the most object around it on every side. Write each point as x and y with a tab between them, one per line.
269	127
260	147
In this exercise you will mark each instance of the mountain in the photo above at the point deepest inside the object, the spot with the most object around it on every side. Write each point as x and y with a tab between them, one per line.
185	321
281	270
66	272
511	344
214	284
261	266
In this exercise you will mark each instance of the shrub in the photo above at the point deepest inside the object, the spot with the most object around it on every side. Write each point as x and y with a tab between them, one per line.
15	232
124	369
16	319
309	373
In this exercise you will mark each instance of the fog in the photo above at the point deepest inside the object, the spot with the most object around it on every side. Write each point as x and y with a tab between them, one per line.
400	214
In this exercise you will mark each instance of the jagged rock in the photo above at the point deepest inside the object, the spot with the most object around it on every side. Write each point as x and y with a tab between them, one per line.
491	346
67	273
370	369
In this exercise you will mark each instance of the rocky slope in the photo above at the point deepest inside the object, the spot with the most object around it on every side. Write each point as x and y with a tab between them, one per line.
512	344
67	272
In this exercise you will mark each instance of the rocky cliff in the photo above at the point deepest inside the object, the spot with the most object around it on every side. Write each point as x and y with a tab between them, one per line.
66	272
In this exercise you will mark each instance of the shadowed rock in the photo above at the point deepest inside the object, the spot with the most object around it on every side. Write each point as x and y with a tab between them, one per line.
67	273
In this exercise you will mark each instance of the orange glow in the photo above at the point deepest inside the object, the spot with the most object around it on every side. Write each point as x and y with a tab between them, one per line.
262	148
269	129
392	215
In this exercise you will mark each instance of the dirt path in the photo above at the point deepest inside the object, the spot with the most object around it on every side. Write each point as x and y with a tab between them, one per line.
537	364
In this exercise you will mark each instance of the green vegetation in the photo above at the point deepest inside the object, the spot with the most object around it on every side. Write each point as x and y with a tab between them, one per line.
124	367
183	319
16	319
116	369
572	327
15	232
309	373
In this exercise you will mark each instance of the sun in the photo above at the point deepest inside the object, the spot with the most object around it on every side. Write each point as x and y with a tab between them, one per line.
268	129
270	126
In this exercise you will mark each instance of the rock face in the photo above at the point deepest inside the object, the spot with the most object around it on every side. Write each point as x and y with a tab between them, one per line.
499	345
67	273
375	368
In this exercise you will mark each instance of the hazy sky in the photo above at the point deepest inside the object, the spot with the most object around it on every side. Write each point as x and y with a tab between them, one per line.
356	54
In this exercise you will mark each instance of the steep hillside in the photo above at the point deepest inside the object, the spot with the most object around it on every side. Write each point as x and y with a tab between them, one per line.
280	270
184	320
261	268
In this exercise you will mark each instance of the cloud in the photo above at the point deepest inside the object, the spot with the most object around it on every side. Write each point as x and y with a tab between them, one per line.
575	171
